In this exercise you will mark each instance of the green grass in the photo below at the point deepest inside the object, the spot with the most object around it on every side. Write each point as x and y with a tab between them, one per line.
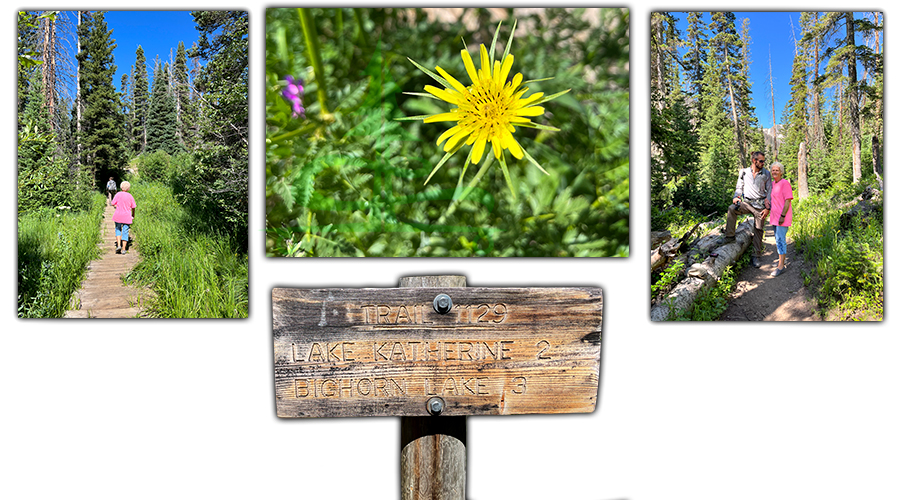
54	249
848	262
193	275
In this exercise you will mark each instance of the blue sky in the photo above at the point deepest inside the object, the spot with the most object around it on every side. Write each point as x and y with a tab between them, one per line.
772	36
157	32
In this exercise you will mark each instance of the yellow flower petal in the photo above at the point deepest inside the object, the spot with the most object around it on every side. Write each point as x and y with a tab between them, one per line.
485	63
443	117
478	149
509	142
448	133
530	111
504	69
442	94
495	145
517	80
530	99
470	66
453	81
458	136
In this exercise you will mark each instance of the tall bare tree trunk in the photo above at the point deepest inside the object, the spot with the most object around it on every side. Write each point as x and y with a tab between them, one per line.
853	95
78	103
802	173
737	125
818	128
876	161
48	68
774	121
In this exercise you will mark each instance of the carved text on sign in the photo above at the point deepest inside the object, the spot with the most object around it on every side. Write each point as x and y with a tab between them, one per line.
416	314
411	350
388	387
380	352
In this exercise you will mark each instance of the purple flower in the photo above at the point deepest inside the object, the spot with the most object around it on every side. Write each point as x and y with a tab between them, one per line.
293	93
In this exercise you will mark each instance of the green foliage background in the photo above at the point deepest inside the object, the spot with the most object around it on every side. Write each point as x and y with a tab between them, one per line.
347	179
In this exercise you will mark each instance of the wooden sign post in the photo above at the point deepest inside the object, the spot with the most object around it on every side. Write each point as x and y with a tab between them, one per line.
432	350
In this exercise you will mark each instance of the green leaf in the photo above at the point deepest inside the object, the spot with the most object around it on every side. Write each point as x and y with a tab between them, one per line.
533	161
509	42
444	159
538	126
494	44
428	72
549	97
506	175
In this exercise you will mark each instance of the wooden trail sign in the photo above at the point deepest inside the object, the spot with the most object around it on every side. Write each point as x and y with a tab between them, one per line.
390	352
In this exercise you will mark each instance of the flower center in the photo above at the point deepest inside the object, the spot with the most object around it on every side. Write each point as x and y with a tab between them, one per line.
486	107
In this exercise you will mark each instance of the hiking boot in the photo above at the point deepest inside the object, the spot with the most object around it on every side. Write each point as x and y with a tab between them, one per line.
754	261
118	250
124	252
777	272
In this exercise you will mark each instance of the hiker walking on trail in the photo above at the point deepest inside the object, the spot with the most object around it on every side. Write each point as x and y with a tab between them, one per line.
781	213
123	217
110	190
752	195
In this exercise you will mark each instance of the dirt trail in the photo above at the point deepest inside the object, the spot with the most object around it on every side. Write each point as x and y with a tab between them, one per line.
102	293
762	297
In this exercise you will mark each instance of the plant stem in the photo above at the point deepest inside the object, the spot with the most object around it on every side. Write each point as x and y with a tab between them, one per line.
456	200
361	33
312	47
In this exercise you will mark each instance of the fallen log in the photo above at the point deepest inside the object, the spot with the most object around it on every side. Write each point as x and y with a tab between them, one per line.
705	273
657	238
662	255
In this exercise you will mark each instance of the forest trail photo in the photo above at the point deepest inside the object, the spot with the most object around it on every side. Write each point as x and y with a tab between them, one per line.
773	121
148	108
102	293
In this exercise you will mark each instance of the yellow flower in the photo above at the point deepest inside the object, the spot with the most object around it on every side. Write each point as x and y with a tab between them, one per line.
488	111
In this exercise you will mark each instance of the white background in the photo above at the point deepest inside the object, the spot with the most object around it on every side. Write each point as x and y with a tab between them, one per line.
185	409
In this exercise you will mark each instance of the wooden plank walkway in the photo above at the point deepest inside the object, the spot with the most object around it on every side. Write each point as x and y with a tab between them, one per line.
102	293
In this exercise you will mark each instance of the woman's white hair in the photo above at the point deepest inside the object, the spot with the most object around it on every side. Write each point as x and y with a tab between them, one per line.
125	186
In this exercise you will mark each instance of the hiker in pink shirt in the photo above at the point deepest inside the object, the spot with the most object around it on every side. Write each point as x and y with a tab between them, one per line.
124	216
781	213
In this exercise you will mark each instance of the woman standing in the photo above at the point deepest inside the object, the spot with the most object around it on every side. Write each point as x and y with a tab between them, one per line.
780	216
123	216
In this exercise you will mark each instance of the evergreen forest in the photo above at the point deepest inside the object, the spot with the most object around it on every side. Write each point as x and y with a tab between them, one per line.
829	136
174	126
352	170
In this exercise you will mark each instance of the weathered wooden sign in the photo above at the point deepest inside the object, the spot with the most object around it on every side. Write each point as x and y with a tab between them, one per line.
449	351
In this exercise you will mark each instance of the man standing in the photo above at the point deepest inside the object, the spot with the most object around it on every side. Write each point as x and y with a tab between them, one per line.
752	195
110	190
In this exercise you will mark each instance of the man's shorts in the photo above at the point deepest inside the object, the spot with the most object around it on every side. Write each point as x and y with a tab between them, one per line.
122	230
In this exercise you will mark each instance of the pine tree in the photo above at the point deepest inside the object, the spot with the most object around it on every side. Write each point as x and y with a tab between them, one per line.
719	162
101	127
220	179
183	105
29	56
696	55
161	123
43	178
796	114
140	101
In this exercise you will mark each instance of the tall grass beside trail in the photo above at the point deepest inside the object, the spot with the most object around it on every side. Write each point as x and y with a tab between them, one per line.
55	247
848	262
193	275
